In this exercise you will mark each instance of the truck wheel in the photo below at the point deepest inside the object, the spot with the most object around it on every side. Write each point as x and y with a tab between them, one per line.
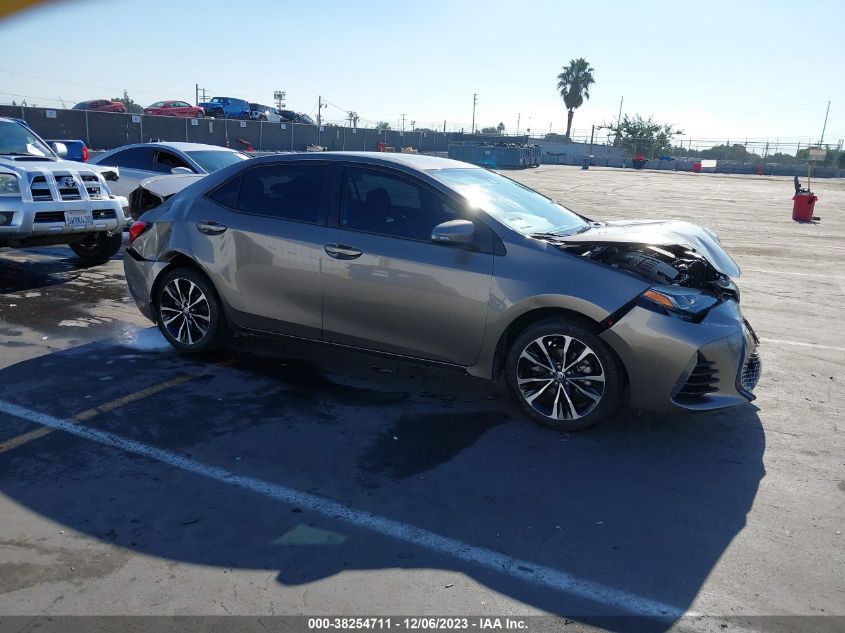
562	375
218	114
98	247
188	311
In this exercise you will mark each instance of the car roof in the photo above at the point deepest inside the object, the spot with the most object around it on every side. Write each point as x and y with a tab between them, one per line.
180	147
419	162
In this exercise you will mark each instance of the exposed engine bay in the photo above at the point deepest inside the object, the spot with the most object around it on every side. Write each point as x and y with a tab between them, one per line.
671	265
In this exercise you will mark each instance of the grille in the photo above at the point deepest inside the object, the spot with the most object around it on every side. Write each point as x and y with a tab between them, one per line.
59	216
92	185
40	190
701	381
49	216
70	192
751	372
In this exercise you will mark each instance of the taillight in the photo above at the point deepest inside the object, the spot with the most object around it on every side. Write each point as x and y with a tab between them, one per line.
137	229
84	154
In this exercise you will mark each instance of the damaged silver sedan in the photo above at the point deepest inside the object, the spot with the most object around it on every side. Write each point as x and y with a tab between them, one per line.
444	262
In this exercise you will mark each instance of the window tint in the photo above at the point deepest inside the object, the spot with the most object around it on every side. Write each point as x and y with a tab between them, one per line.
136	158
165	161
378	202
227	193
157	104
291	192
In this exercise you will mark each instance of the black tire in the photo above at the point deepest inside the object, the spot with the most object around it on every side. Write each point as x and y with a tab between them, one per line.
98	247
203	327
569	400
218	114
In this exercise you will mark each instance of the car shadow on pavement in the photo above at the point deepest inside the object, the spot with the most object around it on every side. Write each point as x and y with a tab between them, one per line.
643	504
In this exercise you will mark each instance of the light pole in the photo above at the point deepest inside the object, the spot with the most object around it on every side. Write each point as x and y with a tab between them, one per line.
474	102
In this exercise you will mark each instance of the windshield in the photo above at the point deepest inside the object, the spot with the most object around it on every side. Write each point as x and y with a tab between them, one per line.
212	160
514	205
16	139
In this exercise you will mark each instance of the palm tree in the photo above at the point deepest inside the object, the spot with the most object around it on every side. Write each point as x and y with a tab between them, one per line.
574	86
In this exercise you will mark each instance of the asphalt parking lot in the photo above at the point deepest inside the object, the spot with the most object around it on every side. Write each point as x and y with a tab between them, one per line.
278	479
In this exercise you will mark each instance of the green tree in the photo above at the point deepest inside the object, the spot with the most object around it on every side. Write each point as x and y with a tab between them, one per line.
383	125
131	106
574	86
637	135
489	130
500	128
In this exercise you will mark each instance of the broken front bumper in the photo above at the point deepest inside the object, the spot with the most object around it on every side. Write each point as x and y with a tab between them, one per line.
675	365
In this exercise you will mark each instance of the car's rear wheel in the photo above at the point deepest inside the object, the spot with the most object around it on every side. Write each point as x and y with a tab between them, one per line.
97	247
562	375
217	114
188	312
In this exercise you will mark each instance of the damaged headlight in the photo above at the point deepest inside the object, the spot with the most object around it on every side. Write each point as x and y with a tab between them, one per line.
689	304
9	185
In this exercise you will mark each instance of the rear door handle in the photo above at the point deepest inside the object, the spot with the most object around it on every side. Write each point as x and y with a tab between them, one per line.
342	251
211	228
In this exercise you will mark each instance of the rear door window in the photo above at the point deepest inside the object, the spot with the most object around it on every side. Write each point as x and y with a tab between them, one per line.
134	158
284	191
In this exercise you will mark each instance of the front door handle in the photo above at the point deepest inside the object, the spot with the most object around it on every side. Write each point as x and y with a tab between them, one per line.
342	251
211	228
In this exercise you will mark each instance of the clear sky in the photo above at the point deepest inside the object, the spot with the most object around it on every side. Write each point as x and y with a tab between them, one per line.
720	70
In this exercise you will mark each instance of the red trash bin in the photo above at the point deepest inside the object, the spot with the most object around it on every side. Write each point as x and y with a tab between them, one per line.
802	206
696	166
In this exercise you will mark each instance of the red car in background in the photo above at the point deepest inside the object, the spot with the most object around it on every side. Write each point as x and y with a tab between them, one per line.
101	105
174	108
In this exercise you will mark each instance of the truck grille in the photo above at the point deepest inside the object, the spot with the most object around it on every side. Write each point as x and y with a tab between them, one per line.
40	190
701	381
69	187
92	186
751	372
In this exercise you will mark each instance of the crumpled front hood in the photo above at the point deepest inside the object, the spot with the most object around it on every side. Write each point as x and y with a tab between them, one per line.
660	233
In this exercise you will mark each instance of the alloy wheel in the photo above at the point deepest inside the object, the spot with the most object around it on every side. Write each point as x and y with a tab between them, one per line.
185	311
560	377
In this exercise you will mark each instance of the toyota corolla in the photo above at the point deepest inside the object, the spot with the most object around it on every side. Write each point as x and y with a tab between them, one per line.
447	263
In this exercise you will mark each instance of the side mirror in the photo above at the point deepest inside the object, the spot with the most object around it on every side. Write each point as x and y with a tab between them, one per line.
181	170
60	149
453	232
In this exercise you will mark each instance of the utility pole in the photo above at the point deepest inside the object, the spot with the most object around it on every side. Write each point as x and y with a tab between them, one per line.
403	122
619	116
474	102
824	127
320	106
518	115
196	94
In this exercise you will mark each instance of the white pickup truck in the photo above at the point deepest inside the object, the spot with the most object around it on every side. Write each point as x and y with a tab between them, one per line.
45	200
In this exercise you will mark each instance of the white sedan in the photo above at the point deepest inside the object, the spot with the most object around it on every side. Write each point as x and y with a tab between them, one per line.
143	160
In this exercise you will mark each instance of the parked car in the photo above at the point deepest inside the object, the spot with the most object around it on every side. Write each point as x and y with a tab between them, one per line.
259	112
289	116
226	108
174	108
101	105
445	262
143	160
46	200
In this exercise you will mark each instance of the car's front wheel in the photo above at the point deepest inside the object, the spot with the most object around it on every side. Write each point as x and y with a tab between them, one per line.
189	313
562	375
97	247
